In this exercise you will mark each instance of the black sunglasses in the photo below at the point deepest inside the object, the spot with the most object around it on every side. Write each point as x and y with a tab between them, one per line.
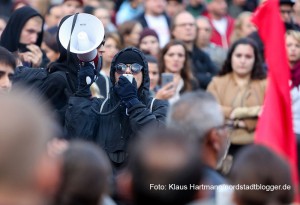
135	68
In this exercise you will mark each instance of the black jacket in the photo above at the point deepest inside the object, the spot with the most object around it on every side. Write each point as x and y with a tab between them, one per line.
203	68
58	87
114	131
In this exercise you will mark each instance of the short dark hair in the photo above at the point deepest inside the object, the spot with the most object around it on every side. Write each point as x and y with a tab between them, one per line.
7	58
183	169
85	175
257	71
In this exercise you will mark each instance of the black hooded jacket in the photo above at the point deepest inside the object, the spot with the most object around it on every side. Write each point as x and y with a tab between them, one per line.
113	131
11	35
12	32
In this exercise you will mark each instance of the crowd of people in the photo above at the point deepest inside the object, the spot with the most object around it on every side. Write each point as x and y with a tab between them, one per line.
175	104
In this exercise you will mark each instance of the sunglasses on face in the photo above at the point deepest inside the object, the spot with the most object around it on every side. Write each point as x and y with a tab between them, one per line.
135	68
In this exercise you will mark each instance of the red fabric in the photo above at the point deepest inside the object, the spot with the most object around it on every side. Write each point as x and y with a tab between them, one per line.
274	128
216	37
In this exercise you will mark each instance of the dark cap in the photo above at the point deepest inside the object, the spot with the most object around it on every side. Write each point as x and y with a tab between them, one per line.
129	57
148	32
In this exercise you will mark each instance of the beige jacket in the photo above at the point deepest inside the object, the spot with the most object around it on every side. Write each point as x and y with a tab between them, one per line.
242	102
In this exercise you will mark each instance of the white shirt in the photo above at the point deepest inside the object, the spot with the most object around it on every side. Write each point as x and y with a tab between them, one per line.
160	25
220	26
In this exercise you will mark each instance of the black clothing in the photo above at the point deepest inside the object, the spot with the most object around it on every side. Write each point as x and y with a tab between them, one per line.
202	66
12	32
57	88
114	131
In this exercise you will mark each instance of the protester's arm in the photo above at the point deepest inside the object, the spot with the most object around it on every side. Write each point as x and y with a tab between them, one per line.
140	116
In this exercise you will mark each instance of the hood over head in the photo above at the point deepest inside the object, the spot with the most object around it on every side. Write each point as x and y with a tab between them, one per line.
12	32
132	55
62	63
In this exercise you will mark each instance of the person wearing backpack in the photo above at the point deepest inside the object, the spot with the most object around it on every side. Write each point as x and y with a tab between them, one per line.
113	122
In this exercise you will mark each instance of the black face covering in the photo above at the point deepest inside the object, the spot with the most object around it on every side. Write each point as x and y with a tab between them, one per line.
11	35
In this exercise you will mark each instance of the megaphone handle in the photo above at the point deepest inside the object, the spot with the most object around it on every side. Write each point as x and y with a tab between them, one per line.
73	25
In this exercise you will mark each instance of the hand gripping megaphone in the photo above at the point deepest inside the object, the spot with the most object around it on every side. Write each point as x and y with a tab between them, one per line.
82	35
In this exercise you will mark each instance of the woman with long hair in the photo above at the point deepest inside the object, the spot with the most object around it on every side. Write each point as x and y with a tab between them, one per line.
174	59
240	89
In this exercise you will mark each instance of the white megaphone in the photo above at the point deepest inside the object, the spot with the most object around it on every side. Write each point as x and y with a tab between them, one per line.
87	35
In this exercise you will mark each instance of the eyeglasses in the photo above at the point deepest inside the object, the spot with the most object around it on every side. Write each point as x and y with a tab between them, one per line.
135	68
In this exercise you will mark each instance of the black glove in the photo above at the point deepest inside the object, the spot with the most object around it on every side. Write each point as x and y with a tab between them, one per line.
127	91
86	77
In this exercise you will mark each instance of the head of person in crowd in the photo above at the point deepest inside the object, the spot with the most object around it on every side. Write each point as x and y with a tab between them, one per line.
164	158
155	7
243	60
50	46
23	34
250	168
173	7
130	32
7	69
70	7
132	61
292	40
199	116
149	42
184	28
104	15
204	32
85	175
27	172
243	26
286	10
53	15
3	22
174	59
153	71
217	8
111	47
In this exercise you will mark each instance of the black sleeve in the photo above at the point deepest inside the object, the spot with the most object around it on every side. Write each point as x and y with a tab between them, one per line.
140	116
81	119
205	69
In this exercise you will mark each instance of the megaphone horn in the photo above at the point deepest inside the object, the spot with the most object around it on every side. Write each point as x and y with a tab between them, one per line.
87	35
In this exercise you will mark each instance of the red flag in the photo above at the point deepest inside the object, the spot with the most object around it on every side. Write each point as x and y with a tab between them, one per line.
275	127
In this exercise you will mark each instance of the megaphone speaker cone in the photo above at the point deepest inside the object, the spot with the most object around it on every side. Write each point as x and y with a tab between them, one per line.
87	35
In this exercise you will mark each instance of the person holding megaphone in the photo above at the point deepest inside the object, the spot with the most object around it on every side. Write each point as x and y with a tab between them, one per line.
114	121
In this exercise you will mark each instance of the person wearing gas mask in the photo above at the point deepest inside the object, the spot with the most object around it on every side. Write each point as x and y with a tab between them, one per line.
113	122
23	35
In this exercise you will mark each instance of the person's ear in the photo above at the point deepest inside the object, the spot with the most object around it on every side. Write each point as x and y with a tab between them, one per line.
213	140
124	186
48	174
